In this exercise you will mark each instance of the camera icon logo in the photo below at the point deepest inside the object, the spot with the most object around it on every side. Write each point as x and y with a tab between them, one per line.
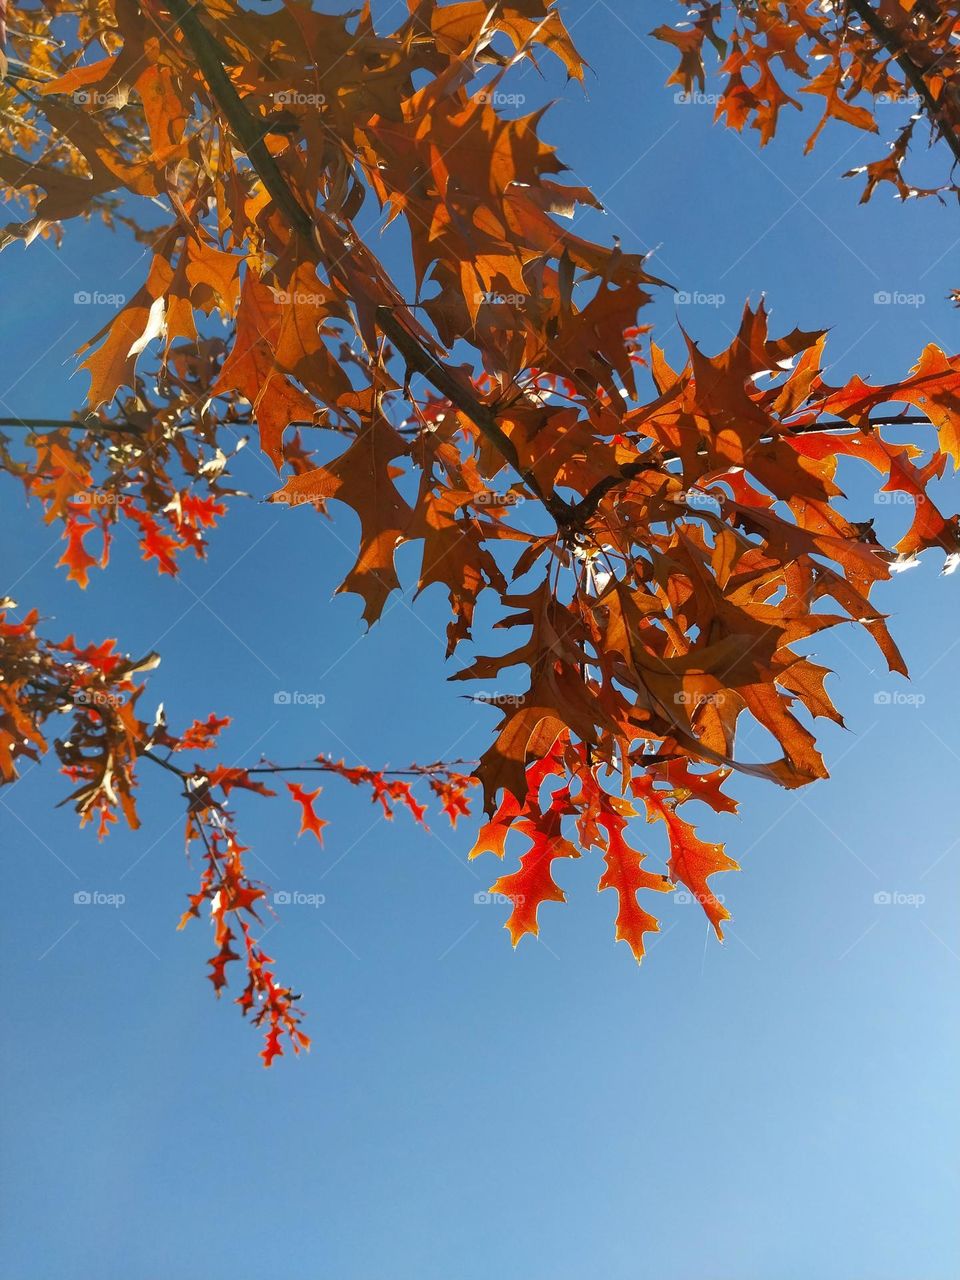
281	698
83	898
281	898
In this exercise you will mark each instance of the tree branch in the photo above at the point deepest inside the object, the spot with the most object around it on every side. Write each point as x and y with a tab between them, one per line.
426	771
423	361
147	754
210	61
582	511
209	55
68	424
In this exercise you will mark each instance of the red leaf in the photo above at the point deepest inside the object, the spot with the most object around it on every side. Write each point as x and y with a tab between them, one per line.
308	818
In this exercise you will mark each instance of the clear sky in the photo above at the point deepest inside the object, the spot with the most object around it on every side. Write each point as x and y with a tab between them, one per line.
779	1107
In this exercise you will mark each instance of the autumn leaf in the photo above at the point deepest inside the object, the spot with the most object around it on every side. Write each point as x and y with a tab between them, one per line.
308	817
363	478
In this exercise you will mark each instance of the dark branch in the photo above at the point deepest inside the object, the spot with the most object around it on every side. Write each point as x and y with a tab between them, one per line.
250	135
885	36
424	771
582	511
67	424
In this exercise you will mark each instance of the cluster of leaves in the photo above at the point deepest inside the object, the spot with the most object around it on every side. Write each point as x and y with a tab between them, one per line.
43	678
158	468
860	59
665	547
600	818
226	888
101	750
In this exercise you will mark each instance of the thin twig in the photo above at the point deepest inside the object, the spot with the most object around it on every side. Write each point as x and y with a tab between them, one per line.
64	424
182	774
424	772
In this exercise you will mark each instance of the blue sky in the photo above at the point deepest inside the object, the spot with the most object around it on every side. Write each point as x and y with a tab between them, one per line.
780	1106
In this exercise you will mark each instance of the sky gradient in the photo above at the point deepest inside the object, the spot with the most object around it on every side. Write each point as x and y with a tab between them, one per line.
782	1106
